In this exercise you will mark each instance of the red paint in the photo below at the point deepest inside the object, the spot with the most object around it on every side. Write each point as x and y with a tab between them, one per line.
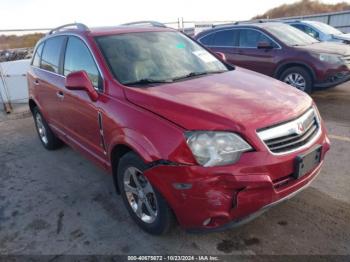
80	81
152	122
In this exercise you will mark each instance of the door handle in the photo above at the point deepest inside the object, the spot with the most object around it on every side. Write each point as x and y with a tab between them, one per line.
60	94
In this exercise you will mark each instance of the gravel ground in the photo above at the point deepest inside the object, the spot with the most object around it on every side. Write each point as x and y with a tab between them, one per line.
59	203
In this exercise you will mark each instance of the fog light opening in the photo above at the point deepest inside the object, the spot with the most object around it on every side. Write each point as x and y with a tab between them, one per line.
207	221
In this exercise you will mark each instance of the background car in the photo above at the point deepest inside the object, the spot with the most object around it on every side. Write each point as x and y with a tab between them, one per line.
321	31
281	51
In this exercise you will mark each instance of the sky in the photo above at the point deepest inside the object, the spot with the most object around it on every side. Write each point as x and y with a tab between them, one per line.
27	14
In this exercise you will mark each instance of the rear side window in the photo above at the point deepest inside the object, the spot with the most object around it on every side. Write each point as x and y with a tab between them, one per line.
51	54
299	26
79	58
225	38
207	40
249	38
37	56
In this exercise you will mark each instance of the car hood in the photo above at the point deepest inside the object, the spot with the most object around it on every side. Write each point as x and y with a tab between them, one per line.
237	100
328	48
342	37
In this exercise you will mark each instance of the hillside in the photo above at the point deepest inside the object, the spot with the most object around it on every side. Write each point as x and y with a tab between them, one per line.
303	7
13	41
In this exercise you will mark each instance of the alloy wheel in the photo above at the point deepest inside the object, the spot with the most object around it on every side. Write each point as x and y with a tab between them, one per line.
41	128
296	80
140	195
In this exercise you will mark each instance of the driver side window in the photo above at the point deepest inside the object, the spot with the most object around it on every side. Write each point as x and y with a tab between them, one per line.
77	58
308	30
249	38
312	32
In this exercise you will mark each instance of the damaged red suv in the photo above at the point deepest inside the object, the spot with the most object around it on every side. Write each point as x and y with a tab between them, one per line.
187	137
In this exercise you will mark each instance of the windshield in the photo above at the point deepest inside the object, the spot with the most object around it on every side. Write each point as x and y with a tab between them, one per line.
290	35
155	57
327	29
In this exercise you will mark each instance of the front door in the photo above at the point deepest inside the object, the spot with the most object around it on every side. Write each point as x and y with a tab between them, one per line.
81	114
251	57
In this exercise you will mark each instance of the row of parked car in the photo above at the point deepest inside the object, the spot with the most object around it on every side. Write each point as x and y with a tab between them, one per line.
305	54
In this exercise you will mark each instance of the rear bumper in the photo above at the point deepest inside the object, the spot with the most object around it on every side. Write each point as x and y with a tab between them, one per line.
231	195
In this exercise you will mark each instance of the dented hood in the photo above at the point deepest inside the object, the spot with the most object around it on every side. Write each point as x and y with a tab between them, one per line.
235	100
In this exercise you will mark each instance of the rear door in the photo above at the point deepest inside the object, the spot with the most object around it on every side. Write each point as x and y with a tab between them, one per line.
81	114
251	57
48	81
223	41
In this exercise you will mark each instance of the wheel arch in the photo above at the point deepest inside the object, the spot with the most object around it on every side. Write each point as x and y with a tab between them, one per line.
118	151
281	68
32	104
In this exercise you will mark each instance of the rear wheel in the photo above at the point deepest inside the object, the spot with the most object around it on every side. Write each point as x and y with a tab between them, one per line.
298	77
144	203
46	136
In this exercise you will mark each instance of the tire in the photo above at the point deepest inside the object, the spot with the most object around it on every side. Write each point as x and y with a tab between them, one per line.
139	204
48	139
298	77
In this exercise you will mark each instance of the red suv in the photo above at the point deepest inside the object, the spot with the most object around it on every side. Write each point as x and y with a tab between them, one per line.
184	135
281	51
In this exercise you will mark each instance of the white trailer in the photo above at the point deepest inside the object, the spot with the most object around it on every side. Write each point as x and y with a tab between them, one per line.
13	83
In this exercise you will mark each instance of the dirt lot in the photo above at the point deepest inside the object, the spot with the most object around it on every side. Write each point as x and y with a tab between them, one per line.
60	203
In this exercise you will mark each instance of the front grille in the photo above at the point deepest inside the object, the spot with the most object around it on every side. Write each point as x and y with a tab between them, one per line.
291	135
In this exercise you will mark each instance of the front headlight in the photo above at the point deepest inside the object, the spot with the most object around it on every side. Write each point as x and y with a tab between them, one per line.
329	58
212	148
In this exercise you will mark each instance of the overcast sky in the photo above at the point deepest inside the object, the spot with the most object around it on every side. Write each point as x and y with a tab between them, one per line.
47	13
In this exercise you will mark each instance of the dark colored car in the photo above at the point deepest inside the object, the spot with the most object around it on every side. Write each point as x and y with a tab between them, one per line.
183	134
281	51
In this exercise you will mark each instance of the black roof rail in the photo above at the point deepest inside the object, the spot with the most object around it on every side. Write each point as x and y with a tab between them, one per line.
145	23
256	21
293	20
259	21
79	26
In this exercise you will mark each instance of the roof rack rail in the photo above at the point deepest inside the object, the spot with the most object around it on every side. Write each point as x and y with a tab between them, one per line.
145	23
79	26
292	20
240	23
256	21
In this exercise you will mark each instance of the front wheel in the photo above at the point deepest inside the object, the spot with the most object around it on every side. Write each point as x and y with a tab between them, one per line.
144	203
298	77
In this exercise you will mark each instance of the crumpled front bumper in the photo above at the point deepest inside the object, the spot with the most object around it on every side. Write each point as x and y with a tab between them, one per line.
220	197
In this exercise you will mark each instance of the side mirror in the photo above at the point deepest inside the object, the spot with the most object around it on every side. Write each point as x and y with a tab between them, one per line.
264	45
80	80
314	35
221	56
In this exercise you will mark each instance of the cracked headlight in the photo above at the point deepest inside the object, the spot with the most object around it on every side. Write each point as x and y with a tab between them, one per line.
212	148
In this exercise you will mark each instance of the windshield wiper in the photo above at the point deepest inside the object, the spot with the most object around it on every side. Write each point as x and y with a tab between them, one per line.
147	81
194	74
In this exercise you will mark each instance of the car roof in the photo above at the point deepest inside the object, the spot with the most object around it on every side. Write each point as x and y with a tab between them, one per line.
261	25
99	31
303	22
108	30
